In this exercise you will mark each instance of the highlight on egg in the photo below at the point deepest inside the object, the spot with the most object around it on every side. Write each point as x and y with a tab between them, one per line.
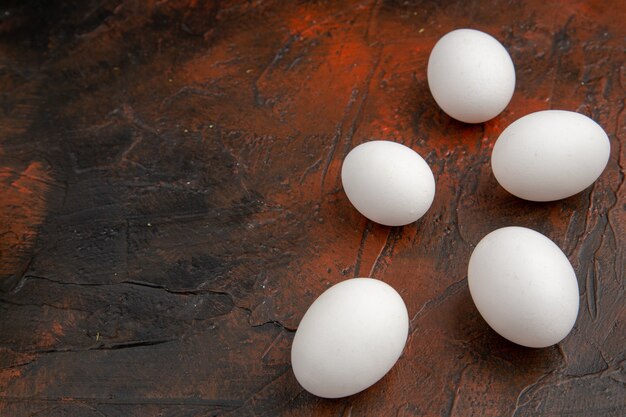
349	338
388	183
549	155
470	75
524	286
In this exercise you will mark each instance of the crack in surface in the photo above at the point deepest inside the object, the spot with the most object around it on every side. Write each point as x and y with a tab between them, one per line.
359	254
386	251
449	291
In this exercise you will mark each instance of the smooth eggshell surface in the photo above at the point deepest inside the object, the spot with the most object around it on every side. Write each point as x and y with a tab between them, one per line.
471	76
550	155
349	338
524	286
388	182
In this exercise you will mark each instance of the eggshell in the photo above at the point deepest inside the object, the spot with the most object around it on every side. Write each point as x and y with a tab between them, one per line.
550	155
349	338
524	286
387	182
471	76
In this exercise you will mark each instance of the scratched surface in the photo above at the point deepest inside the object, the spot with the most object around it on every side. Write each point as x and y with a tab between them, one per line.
170	205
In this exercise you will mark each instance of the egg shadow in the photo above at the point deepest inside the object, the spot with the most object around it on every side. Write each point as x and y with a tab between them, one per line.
351	405
485	206
483	343
432	125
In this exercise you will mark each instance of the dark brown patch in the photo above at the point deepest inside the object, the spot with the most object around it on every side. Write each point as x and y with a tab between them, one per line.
170	205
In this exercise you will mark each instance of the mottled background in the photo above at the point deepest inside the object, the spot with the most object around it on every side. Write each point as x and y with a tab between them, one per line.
170	205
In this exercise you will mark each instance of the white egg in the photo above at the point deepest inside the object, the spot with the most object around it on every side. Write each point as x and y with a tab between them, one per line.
550	155
471	75
387	182
524	286
349	338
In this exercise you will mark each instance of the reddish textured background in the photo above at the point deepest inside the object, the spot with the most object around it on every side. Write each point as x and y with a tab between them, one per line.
170	205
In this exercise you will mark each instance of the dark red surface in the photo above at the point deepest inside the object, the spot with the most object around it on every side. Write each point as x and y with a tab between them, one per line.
170	205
